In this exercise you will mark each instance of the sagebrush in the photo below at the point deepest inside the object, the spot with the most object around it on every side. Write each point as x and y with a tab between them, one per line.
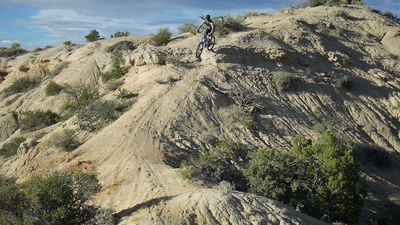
23	84
10	148
215	165
224	24
36	120
53	88
187	27
282	80
117	71
58	198
162	37
120	34
67	141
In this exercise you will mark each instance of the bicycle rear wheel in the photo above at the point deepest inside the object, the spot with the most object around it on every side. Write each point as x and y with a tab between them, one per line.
211	43
199	49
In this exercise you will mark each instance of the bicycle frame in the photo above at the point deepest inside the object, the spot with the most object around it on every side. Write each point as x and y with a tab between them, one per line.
206	40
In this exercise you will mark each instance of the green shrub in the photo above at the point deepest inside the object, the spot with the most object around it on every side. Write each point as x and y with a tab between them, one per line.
224	186
36	50
36	120
382	21
67	45
15	45
344	141
315	3
117	59
59	198
175	60
320	179
92	36
253	14
358	2
206	137
282	80
10	149
374	155
114	84
319	128
342	81
339	13
81	96
103	216
332	2
377	11
53	88
122	46
187	27
187	171
224	24
11	52
93	113
100	113
285	10
120	34
67	141
214	165
236	113
116	71
12	202
162	37
23	84
298	5
390	15
270	174
125	94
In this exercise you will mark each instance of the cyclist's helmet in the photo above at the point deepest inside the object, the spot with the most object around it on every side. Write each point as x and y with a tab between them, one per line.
208	17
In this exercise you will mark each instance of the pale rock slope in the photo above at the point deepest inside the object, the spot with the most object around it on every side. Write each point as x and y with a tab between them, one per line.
137	156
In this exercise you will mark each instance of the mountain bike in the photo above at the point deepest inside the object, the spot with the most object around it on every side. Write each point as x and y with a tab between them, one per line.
208	42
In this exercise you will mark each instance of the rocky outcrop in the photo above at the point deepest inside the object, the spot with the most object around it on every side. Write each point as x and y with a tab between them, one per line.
214	207
8	125
23	68
147	55
26	145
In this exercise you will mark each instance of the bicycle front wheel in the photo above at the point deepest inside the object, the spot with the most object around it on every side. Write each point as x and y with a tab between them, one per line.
211	43
199	50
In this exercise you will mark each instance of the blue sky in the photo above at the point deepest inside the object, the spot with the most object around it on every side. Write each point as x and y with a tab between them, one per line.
37	23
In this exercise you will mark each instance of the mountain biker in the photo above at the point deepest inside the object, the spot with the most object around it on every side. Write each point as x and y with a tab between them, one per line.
210	26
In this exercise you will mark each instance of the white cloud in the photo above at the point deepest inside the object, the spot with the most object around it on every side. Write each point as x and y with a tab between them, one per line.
6	42
73	29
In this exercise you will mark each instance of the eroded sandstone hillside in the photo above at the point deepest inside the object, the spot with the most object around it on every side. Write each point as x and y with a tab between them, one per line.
346	75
